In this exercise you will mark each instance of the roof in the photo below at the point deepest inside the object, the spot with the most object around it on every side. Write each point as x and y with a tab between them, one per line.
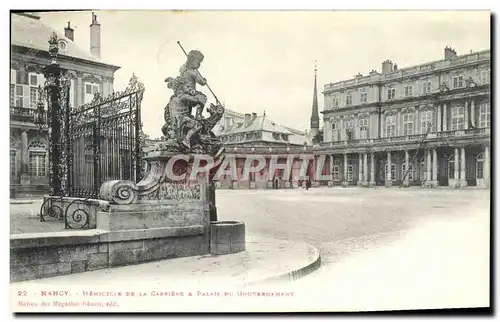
260	123
263	124
30	32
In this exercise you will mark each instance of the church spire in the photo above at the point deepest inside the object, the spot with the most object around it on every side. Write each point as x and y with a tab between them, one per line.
314	114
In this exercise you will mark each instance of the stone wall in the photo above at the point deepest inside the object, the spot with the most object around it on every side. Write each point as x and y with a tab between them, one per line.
34	256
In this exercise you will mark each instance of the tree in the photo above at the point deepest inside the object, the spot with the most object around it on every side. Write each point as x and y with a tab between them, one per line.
318	138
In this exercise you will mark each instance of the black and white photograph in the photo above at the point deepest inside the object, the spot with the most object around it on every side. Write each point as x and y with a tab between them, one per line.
250	161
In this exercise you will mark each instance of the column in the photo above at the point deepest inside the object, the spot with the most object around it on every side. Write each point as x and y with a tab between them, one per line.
434	168
372	170
365	168
417	121
79	91
473	113
457	167
486	169
429	169
382	125
360	169
445	118
330	183
463	181
398	124
388	180
438	111
344	179
406	181
466	116
24	153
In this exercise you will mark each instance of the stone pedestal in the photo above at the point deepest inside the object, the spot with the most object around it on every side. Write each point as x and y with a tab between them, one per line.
227	237
364	184
345	184
330	184
388	183
162	216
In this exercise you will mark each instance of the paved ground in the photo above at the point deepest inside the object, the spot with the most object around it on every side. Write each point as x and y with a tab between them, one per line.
380	248
340	221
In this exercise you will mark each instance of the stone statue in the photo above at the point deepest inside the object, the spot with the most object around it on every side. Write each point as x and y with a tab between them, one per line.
185	132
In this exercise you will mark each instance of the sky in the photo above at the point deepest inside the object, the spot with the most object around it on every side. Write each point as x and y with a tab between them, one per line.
258	61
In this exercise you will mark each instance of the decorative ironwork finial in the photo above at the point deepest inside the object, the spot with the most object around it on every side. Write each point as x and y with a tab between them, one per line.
53	47
315	67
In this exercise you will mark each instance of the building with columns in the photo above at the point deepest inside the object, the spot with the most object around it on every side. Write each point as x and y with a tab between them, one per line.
29	55
247	135
425	125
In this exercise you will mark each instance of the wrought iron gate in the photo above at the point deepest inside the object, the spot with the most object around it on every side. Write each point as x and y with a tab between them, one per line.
104	141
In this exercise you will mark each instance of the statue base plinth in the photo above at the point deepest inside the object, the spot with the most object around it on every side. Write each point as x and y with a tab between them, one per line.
168	214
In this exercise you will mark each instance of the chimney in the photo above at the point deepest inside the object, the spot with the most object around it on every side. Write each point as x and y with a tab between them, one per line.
248	119
69	32
387	66
95	37
395	67
449	53
254	116
373	71
359	75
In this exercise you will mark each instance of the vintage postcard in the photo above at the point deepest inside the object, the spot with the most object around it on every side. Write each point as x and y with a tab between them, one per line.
250	161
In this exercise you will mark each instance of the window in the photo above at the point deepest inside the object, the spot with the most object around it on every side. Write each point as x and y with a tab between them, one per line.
12	164
33	96
34	80
90	90
485	77
458	81
20	98
363	128
403	172
408	90
391	93
458	118
484	115
349	172
480	166
335	132
336	170
363	96
393	170
408	123
426	122
451	167
426	87
335	101
348	99
390	126
349	128
37	164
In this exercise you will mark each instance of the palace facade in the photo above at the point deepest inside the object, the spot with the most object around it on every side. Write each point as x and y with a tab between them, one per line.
247	135
425	125
29	55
